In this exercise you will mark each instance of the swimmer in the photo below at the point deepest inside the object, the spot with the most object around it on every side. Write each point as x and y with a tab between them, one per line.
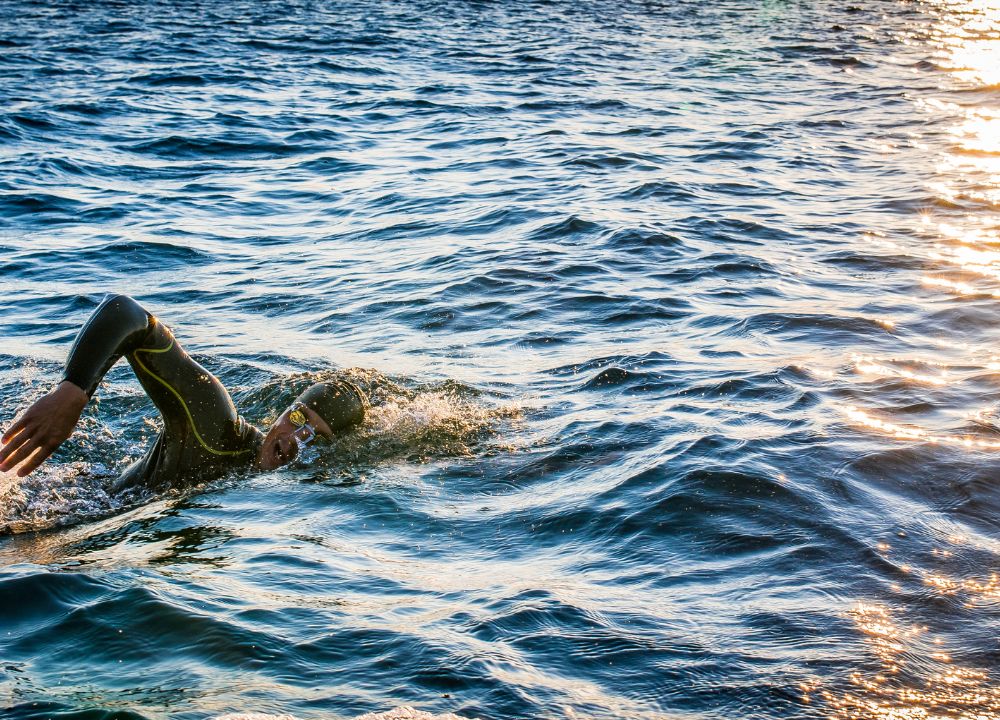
203	436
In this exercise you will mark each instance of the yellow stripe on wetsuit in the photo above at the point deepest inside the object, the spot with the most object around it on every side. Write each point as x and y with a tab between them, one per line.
187	411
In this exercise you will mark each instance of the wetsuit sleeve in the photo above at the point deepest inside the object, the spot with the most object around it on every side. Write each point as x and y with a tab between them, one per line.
118	327
199	416
194	404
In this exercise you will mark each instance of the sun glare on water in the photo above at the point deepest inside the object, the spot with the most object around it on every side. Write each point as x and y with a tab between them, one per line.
968	34
946	690
912	672
962	263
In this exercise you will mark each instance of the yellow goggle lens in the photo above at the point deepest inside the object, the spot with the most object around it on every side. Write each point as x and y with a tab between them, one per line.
298	418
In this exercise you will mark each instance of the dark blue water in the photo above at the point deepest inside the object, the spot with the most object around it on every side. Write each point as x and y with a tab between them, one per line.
680	322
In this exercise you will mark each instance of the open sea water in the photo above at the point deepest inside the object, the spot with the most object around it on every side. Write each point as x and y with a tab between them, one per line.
680	322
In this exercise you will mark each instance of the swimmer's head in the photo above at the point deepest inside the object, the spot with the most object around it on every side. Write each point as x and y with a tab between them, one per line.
318	413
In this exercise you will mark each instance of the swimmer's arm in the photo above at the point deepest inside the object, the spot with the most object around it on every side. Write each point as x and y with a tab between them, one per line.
118	326
42	428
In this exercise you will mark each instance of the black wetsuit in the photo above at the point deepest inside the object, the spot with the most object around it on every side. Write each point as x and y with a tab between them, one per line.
203	436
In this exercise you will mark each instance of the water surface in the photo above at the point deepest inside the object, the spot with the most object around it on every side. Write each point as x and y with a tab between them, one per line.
680	321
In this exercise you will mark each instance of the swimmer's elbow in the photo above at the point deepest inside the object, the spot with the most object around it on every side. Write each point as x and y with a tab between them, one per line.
126	310
121	303
117	327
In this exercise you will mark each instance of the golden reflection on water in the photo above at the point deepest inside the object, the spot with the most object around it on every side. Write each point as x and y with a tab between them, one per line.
867	365
959	288
987	590
973	250
966	39
980	133
964	262
900	431
969	41
972	591
918	679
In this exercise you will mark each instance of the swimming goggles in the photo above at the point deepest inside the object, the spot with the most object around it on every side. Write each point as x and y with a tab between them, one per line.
304	432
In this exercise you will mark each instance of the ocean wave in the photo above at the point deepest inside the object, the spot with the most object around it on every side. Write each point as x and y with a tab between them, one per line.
179	147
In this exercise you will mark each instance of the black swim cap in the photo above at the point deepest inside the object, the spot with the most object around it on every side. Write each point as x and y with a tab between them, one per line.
338	402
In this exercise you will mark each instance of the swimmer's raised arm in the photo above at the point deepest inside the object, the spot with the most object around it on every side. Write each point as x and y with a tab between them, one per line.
117	327
203	434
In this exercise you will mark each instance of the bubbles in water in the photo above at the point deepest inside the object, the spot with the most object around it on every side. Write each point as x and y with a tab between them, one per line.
56	496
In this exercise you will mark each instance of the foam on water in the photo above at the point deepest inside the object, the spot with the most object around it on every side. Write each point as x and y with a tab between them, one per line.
412	421
55	497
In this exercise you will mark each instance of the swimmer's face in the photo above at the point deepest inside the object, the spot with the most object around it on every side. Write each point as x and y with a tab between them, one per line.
279	446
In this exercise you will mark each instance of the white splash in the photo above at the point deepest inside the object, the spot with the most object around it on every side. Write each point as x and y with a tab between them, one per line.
407	713
55	496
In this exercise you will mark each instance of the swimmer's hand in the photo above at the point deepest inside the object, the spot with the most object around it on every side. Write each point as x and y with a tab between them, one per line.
42	428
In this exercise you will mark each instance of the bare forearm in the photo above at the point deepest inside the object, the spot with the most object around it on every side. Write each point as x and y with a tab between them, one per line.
42	428
118	326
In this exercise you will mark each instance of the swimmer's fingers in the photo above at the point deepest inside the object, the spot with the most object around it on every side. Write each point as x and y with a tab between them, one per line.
42	428
21	433
13	430
12	441
37	459
40	438
24	450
